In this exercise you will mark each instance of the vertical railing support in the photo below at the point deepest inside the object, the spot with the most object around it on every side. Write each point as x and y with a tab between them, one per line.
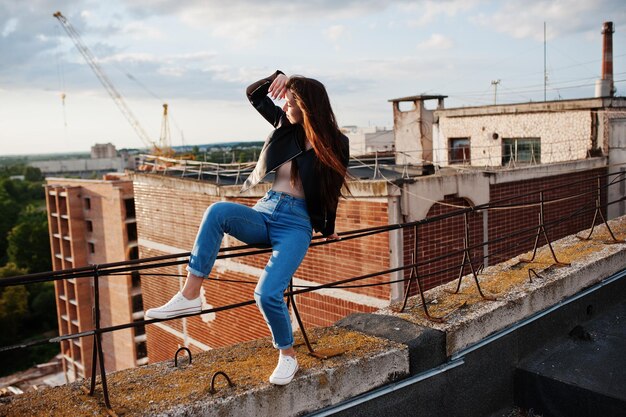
467	259
595	217
291	300
98	355
200	171
414	277
541	229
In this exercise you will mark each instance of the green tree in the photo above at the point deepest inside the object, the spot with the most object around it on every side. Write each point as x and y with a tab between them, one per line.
28	244
10	210
26	312
32	174
13	305
195	151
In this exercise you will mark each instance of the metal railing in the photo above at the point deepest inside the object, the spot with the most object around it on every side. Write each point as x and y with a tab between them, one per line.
96	272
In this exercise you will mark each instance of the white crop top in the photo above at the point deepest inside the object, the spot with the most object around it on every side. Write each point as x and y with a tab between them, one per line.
282	181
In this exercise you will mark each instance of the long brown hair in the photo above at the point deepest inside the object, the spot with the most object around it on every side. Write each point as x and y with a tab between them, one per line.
321	129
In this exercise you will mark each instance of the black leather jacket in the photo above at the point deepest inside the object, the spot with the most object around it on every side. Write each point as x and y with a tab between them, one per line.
287	143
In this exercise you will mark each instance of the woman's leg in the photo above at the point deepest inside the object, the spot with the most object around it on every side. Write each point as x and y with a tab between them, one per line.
287	254
289	248
237	220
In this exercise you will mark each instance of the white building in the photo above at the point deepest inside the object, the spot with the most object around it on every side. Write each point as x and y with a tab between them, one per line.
368	140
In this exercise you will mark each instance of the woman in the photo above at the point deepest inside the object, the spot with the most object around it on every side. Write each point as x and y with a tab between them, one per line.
309	156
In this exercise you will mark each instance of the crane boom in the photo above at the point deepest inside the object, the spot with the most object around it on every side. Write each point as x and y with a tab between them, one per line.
109	87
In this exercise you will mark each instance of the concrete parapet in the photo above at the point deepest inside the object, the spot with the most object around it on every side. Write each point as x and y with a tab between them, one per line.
426	347
360	363
470	319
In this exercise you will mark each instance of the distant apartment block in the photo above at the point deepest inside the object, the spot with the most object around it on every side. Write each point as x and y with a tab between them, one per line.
369	140
93	222
104	159
103	150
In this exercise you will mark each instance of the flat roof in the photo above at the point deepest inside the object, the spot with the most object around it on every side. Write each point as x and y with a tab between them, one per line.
421	97
536	106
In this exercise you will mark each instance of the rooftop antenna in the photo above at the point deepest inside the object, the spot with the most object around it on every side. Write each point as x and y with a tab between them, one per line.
495	89
545	72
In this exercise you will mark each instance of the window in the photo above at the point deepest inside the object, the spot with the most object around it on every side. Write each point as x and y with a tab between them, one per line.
89	226
131	231
137	301
139	330
133	253
129	205
142	350
459	151
87	203
92	247
136	279
521	151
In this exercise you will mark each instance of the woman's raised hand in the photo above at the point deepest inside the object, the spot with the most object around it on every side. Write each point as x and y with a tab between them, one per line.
277	88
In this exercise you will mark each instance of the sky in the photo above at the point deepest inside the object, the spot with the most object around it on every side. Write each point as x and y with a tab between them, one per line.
198	56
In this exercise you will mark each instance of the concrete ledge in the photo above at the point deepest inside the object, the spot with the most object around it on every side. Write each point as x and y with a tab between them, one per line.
307	392
362	363
427	347
472	319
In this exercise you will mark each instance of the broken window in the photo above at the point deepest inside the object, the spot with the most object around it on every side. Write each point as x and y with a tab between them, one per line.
521	151
459	151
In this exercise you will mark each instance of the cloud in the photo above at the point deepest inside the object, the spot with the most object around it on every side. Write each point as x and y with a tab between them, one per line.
335	32
436	41
9	27
428	11
524	19
245	21
139	30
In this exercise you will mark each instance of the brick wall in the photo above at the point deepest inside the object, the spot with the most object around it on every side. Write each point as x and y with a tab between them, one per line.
168	215
437	239
501	222
569	209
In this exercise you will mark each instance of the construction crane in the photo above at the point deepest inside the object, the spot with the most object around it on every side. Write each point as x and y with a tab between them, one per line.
159	149
164	140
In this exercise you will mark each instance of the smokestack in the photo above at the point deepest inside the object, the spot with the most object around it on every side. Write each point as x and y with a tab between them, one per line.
604	86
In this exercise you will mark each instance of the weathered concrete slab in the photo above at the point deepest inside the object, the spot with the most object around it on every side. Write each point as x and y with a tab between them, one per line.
427	347
307	392
362	363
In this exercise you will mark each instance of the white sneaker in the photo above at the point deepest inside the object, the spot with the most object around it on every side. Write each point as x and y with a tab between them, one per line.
285	370
177	306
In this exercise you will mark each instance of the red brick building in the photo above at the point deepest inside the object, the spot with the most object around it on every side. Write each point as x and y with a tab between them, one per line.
93	222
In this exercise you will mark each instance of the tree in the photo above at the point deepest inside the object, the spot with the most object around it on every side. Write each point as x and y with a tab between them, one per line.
13	305
10	210
32	174
28	244
26	312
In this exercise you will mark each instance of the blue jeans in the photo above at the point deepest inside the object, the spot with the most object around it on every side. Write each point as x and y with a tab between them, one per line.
279	220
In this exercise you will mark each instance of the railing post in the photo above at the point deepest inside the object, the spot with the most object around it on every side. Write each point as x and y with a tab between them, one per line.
467	258
541	229
98	355
291	300
595	217
200	170
414	276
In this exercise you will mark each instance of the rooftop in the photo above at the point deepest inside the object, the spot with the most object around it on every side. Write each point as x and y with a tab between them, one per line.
358	362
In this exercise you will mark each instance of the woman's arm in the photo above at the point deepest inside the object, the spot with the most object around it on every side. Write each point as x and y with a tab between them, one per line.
258	96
